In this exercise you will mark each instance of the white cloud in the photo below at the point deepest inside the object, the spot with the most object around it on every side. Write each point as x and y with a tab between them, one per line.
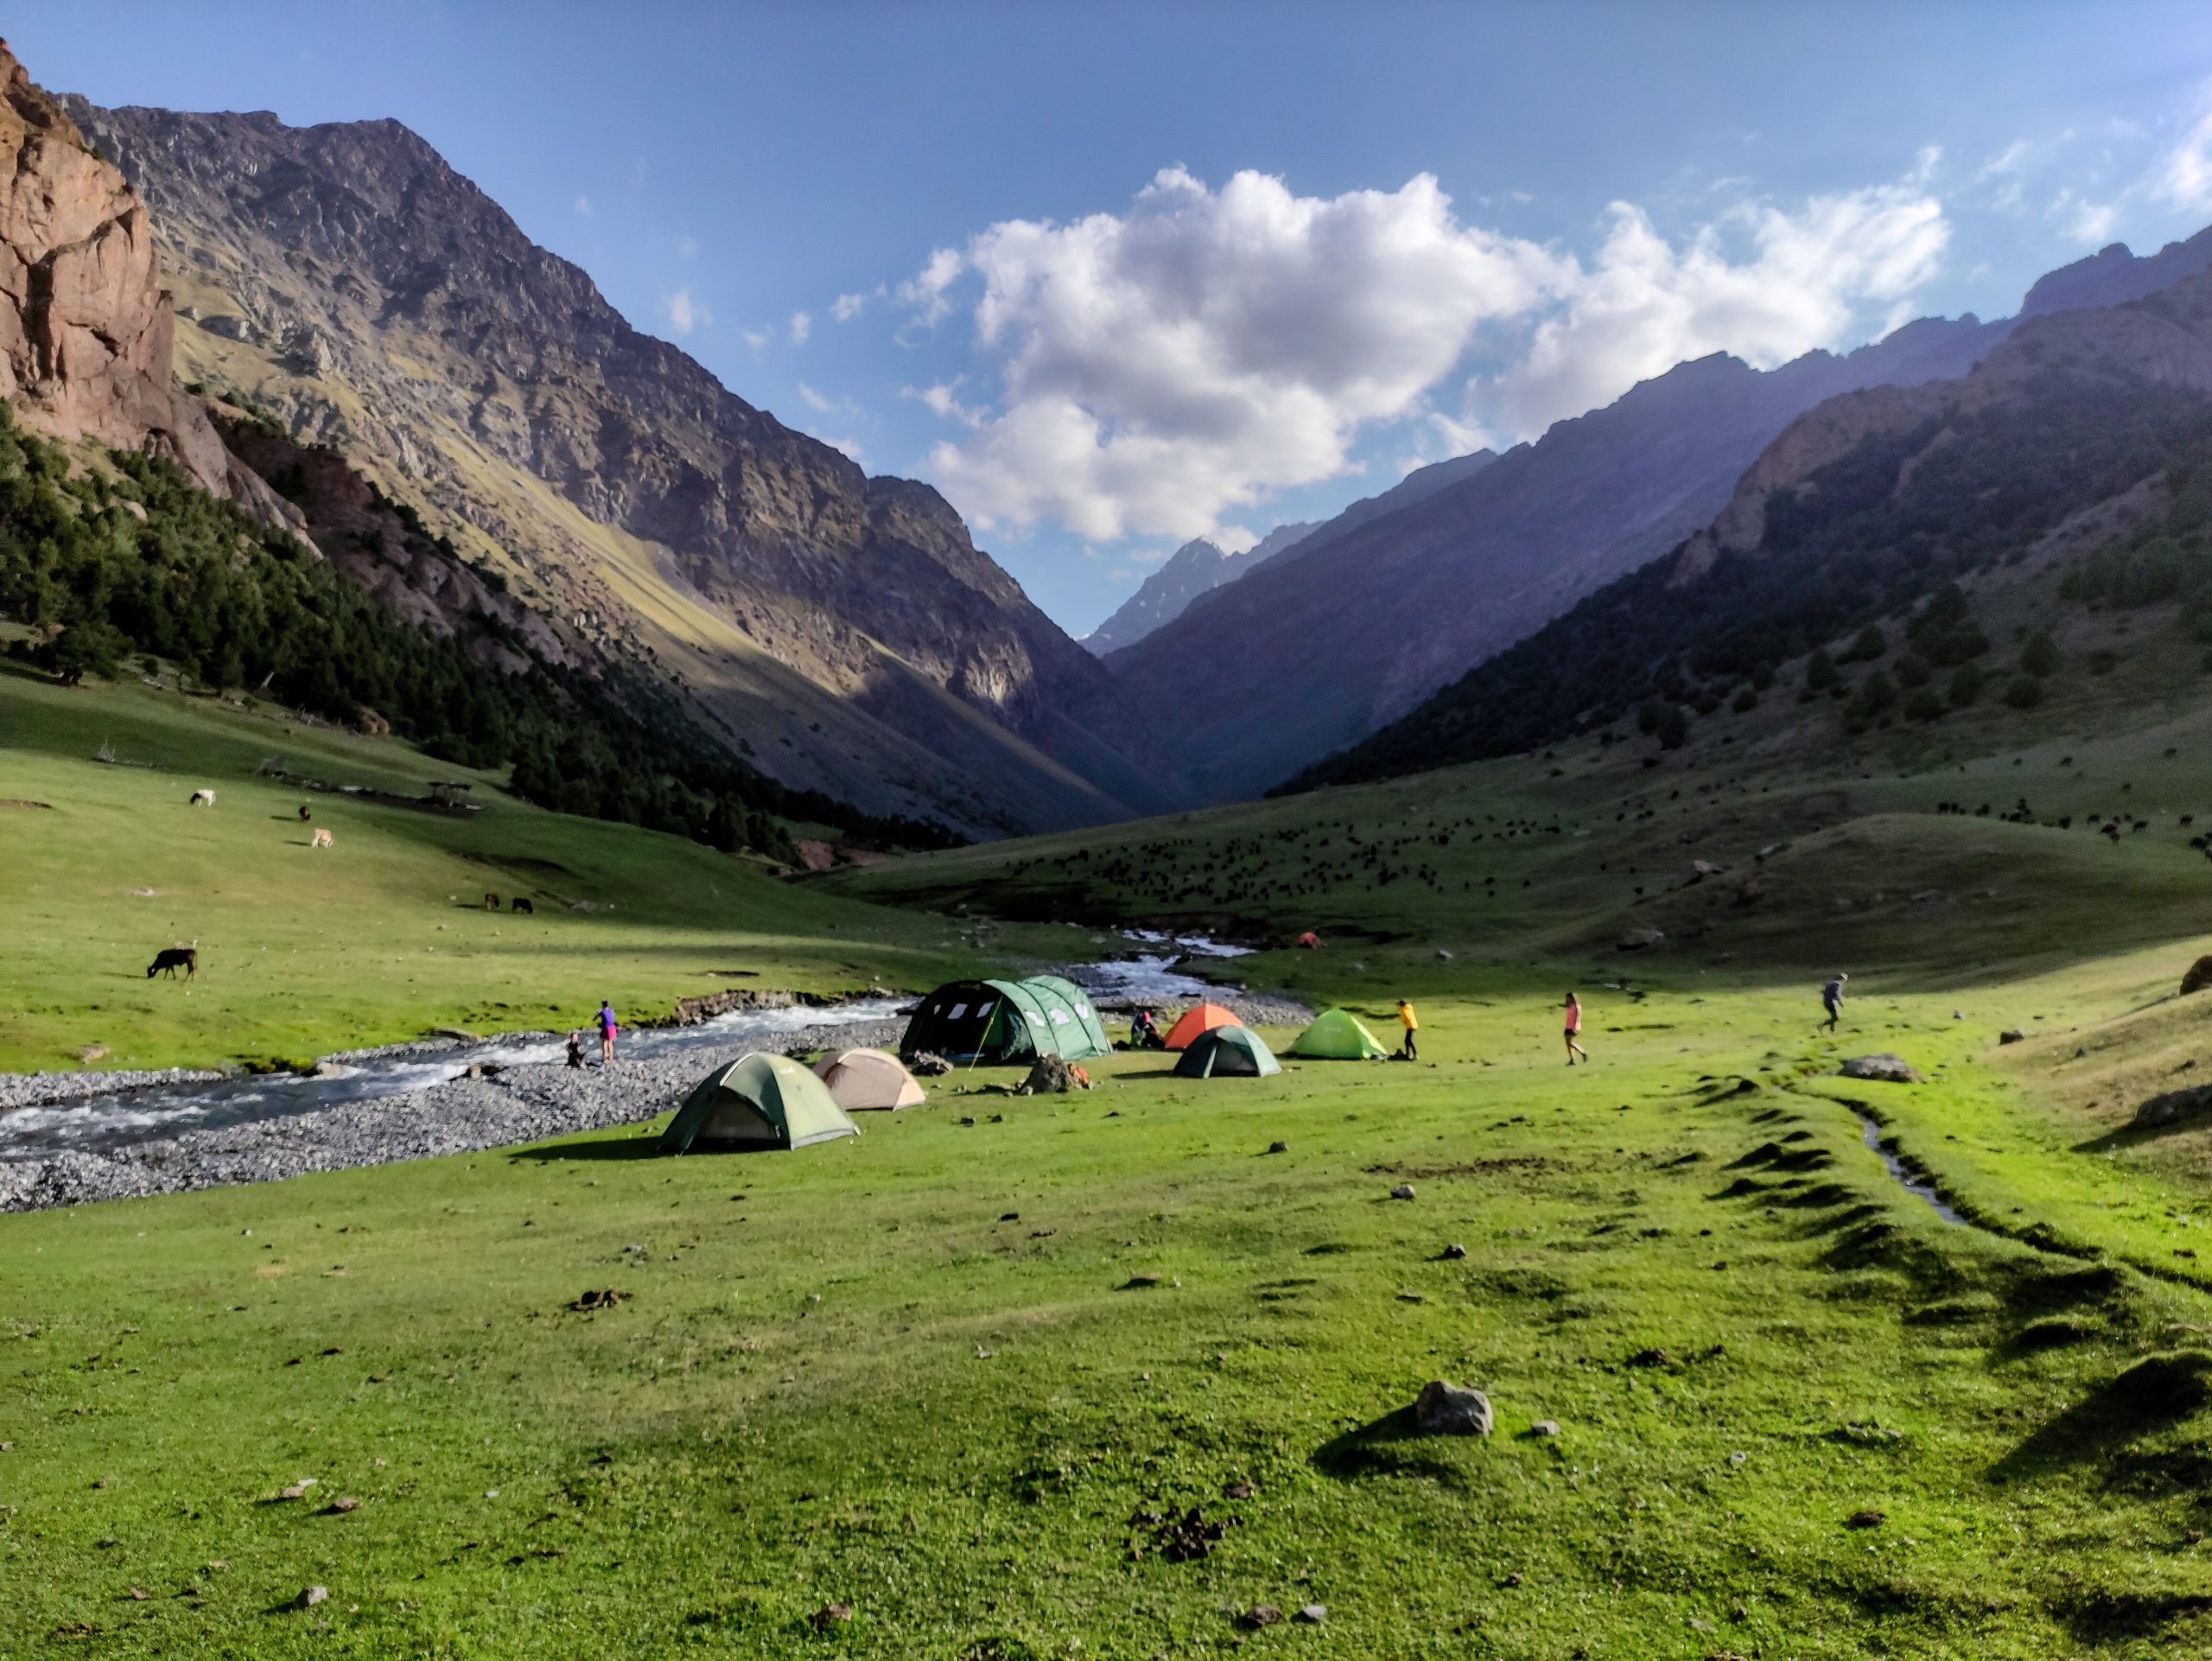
823	404
1208	347
583	205
942	400
801	326
687	246
847	307
2183	177
1823	276
685	312
924	293
755	338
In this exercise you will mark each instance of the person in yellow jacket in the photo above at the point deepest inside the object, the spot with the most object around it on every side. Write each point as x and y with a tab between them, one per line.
1411	1022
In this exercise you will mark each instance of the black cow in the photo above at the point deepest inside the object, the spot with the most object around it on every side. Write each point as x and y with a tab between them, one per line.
175	957
521	904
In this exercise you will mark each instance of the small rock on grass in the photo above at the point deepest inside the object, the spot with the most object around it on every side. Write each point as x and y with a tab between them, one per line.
340	1506
1544	1428
1259	1615
1869	1518
1450	1410
831	1614
309	1596
1314	1614
1455	1250
1403	1190
1278	1147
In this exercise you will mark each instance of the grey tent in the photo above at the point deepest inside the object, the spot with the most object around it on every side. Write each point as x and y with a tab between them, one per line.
1227	1052
996	1022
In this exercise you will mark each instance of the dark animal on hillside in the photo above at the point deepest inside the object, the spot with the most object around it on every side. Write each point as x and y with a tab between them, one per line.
305	814
490	902
175	959
521	904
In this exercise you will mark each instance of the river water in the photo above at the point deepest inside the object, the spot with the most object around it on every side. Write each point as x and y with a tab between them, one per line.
95	1124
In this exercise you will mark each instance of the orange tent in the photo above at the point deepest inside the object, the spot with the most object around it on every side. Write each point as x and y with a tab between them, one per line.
1309	939
1204	1018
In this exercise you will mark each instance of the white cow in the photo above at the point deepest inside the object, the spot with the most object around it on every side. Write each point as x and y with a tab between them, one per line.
320	839
203	798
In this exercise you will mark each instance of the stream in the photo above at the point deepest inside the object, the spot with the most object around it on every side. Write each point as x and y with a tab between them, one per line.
97	1124
1871	1134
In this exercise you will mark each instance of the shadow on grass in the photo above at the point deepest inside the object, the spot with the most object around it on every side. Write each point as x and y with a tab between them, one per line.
2157	1393
629	1145
1387	1447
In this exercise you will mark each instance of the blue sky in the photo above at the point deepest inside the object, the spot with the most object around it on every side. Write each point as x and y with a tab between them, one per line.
1115	275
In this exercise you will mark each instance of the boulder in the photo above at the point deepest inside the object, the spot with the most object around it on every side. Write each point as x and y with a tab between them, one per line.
1444	1409
2173	1107
1051	1076
1886	1068
2011	1035
2198	978
1637	939
927	1064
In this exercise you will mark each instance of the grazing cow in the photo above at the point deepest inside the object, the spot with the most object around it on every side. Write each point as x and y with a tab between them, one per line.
305	813
320	839
490	902
521	904
203	798
175	957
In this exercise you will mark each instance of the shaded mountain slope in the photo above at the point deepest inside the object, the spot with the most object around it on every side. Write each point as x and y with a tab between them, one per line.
1316	651
347	281
2084	429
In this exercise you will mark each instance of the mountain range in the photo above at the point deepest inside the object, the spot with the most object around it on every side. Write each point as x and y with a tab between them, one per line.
351	316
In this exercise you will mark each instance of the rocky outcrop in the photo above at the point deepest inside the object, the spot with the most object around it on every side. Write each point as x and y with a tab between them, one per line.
87	330
1197	567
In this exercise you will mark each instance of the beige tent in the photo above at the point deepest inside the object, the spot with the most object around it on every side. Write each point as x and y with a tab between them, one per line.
868	1079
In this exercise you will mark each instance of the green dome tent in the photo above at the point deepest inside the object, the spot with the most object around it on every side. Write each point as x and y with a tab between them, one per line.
1006	1021
756	1101
1227	1052
1337	1035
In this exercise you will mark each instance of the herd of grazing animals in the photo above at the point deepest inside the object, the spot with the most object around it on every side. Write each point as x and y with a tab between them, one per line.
187	958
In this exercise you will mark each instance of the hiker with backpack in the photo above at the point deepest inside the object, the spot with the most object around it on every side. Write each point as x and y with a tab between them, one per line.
1832	999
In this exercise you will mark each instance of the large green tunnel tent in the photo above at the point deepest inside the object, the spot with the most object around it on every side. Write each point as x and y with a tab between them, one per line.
1006	1021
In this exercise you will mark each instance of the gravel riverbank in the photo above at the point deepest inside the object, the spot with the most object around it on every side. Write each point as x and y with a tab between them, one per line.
44	1089
463	1114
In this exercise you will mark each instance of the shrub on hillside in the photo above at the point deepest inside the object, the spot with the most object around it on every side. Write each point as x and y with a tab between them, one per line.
1966	685
2039	654
1925	704
1912	672
2025	693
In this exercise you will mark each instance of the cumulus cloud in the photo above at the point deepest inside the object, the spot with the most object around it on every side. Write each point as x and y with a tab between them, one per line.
851	447
801	326
925	293
2184	176
847	307
1207	348
943	399
685	312
1812	278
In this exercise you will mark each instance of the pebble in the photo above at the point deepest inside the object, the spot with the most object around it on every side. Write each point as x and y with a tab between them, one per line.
1314	1614
1403	1190
1544	1428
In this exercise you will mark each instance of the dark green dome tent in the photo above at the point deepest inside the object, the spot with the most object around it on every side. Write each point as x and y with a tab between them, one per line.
1338	1035
1227	1052
756	1101
1006	1021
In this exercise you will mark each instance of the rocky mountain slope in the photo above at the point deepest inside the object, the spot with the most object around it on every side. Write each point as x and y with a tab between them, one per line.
1314	652
1198	567
841	632
2074	463
85	326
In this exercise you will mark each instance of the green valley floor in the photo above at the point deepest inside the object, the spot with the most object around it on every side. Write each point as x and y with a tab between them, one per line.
1100	1374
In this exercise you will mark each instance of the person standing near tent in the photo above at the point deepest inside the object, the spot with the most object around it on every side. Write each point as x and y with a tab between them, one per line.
607	1029
1411	1022
1574	1029
1832	999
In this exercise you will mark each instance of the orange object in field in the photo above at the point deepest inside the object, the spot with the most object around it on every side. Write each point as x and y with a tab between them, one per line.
1204	1018
1309	940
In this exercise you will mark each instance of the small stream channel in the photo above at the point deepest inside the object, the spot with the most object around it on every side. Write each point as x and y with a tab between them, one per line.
1871	1132
97	1124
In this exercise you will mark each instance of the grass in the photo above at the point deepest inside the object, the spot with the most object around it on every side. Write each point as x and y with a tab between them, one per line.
384	935
849	1376
948	1373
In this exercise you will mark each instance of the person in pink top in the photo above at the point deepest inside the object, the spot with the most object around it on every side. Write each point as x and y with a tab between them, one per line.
1574	1029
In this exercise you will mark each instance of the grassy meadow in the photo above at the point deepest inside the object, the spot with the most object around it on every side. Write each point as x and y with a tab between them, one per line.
384	934
954	1388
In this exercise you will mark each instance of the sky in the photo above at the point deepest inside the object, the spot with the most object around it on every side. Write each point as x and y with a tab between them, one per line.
1118	275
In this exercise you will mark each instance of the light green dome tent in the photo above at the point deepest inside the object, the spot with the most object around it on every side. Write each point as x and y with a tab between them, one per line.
1227	1052
1337	1035
1006	1021
756	1101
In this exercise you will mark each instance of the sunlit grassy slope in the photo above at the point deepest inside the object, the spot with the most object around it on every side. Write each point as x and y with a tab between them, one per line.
381	936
